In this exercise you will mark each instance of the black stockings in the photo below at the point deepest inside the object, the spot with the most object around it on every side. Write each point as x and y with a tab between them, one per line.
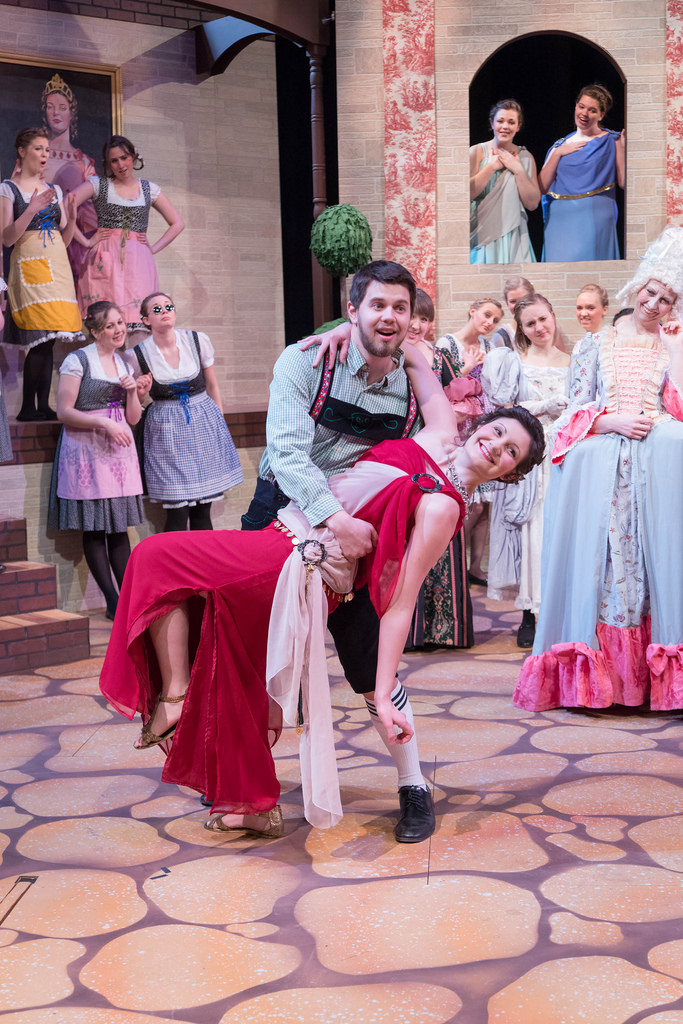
199	517
37	383
106	553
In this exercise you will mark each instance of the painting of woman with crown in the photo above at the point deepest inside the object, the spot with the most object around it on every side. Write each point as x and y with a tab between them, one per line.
78	105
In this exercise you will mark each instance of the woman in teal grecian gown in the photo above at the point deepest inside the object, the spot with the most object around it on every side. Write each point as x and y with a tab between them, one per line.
503	186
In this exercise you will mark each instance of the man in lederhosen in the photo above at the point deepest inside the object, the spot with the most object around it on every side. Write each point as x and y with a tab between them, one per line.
320	421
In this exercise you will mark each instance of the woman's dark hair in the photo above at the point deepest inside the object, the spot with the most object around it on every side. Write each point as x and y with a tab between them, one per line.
96	315
521	341
26	136
507	105
534	430
386	272
601	95
144	305
127	146
423	305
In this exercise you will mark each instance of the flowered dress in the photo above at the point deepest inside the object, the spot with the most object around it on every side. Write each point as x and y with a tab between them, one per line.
475	403
443	613
610	627
516	534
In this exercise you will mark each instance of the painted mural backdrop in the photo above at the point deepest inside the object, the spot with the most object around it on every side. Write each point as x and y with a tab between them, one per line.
410	138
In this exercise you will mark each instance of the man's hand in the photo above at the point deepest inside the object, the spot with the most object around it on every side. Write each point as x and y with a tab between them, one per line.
356	537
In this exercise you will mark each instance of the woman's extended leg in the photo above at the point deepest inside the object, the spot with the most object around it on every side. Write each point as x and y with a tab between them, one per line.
170	636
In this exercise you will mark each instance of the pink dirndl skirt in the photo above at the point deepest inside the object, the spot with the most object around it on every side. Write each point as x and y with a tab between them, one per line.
120	268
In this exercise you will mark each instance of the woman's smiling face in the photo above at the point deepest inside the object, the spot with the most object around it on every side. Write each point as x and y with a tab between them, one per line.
496	448
653	303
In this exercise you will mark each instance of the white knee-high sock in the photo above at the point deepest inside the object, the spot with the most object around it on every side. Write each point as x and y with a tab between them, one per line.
405	755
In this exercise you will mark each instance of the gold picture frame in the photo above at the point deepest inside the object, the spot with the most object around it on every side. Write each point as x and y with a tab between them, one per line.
91	99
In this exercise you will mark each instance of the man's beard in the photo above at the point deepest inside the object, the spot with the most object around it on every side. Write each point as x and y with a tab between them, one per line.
379	349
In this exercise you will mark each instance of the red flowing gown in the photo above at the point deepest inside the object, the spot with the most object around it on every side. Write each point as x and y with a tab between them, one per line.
220	746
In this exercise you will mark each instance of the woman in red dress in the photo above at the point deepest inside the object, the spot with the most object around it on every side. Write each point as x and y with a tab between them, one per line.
194	641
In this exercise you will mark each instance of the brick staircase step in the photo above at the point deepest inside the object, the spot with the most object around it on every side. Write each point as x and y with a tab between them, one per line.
27	587
29	640
12	540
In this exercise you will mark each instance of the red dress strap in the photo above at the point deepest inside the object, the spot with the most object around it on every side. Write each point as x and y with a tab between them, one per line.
392	513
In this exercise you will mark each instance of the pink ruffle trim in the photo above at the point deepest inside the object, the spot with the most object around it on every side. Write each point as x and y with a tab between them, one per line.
666	671
673	400
579	425
626	669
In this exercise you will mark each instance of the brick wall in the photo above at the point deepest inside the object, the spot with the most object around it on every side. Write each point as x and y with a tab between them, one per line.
212	146
467	32
37	442
154	12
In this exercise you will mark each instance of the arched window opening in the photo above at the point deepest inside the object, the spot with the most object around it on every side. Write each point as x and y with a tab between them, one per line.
544	72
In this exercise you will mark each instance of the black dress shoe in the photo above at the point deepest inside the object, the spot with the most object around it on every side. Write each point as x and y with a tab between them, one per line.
205	801
476	581
29	416
417	821
527	631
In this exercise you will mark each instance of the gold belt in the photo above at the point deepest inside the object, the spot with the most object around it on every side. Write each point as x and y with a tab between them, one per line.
584	195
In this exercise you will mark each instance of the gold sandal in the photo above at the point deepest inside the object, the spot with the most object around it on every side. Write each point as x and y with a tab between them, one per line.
147	738
274	829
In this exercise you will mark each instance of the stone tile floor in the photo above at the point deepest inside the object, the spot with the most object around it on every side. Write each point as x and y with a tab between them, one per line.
551	893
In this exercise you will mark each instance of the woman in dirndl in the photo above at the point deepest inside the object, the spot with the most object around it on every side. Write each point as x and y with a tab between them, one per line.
96	485
5	439
41	296
119	266
189	457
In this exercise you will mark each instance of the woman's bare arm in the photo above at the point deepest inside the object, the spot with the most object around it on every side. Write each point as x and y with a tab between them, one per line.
212	389
436	519
175	223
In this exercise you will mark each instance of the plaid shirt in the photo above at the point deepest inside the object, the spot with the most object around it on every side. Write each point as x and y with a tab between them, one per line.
302	454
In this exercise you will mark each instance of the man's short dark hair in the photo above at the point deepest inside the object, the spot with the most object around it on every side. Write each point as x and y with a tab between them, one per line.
385	272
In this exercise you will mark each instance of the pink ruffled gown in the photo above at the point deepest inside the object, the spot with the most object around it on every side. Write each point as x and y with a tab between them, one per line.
610	629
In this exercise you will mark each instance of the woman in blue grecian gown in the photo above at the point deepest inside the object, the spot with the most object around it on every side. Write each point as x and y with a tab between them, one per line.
579	182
